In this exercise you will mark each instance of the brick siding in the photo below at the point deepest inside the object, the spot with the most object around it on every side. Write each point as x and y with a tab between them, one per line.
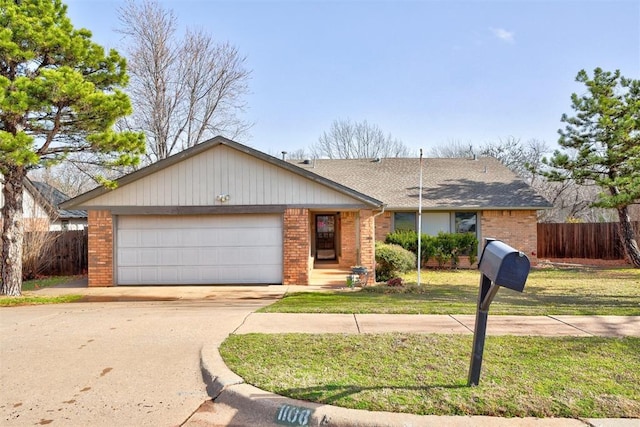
515	228
383	226
297	241
100	248
367	239
348	247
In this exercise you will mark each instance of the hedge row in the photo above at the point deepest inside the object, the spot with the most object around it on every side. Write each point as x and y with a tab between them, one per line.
444	248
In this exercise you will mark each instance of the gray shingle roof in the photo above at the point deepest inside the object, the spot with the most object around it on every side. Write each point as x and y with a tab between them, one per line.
54	197
447	183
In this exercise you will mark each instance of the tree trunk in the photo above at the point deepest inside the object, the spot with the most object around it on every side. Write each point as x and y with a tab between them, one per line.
627	237
12	231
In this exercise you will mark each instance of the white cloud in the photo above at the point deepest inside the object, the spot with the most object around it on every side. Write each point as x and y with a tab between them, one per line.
504	35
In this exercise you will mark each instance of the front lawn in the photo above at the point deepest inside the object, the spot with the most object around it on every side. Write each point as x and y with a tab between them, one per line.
29	298
427	374
547	292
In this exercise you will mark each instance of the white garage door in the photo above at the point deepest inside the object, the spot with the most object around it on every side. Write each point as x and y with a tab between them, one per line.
199	249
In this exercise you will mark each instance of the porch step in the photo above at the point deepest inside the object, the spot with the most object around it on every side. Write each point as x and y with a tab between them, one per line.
329	275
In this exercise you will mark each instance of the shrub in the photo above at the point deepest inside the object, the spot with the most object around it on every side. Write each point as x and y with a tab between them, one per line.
392	260
408	239
445	247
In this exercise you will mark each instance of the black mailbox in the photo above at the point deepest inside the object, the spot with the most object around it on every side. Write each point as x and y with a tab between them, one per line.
501	265
504	265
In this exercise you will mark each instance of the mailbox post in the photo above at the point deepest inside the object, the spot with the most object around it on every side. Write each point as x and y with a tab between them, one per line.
500	265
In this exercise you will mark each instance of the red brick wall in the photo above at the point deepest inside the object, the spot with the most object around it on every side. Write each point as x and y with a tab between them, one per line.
383	226
348	247
100	248
297	241
515	228
367	239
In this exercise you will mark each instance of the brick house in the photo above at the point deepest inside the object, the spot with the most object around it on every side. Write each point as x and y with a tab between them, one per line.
224	213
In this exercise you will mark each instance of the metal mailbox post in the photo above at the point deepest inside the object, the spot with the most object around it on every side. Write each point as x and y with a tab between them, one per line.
500	265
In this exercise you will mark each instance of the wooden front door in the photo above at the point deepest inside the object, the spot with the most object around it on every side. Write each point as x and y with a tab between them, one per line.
325	237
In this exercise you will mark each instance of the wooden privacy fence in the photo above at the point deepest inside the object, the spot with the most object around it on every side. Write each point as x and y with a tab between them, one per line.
586	240
51	253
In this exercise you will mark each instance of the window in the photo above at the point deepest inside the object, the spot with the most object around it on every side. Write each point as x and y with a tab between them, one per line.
436	222
404	221
465	222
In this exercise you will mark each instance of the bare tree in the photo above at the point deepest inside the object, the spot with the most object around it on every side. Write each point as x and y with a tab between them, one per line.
453	149
360	140
183	90
72	178
520	157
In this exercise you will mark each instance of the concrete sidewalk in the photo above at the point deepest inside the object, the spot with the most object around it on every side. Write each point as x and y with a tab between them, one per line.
609	326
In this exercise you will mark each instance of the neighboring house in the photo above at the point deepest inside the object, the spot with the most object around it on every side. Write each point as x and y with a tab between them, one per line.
62	219
40	212
224	213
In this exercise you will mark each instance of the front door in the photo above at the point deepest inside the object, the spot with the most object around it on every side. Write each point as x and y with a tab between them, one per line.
325	237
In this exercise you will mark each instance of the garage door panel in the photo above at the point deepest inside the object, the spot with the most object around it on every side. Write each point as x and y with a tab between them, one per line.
128	257
128	274
128	240
198	249
207	256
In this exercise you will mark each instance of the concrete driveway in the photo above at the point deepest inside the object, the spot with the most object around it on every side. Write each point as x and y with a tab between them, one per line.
115	363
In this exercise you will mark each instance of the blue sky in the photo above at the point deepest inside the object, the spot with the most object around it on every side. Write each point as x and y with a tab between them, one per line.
428	72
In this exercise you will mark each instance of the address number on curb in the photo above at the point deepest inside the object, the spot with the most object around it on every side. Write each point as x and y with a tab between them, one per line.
293	415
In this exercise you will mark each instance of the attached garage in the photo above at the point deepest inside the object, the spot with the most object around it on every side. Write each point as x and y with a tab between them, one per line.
198	249
218	213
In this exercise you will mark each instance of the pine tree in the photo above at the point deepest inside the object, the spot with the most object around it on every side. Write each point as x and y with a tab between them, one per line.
602	146
59	98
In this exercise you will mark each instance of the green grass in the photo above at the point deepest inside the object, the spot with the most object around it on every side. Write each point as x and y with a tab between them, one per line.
46	282
29	298
547	292
427	374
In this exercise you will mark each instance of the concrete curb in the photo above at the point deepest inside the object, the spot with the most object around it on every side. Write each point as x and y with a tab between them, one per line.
239	404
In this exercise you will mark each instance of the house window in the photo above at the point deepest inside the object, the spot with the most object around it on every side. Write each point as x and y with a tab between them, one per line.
65	225
436	222
404	221
465	222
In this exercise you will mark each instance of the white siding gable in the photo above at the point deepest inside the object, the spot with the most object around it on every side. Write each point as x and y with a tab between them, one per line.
198	180
30	207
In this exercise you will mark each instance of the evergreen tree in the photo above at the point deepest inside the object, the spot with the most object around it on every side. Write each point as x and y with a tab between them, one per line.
602	145
59	98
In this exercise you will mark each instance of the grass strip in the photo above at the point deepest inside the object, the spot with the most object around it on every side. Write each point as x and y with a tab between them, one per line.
46	282
547	292
37	300
427	374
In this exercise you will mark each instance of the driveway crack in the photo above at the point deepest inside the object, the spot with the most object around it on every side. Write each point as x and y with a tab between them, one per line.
357	325
570	325
463	325
241	323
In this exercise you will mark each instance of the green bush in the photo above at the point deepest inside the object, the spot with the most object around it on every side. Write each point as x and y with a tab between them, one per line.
408	239
444	248
392	260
